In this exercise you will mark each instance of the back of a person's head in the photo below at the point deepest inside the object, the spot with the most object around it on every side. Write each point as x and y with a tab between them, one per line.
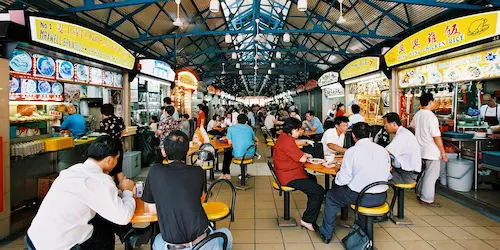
392	117
242	119
214	117
186	116
291	124
103	147
170	110
200	106
176	145
361	130
107	109
355	108
154	118
340	119
167	100
426	98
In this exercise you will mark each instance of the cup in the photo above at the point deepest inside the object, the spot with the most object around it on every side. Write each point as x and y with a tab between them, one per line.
329	158
139	188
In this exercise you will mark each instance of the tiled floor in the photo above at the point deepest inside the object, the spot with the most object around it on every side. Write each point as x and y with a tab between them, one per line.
452	226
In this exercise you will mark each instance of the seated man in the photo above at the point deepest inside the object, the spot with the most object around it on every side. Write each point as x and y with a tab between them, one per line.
288	164
240	136
77	195
363	164
333	138
173	191
404	151
312	125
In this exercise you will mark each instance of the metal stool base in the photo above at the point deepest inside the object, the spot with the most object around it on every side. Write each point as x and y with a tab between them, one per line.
286	223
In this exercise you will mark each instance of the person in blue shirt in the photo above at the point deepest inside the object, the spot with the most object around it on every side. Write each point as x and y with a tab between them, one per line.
312	125
74	122
240	136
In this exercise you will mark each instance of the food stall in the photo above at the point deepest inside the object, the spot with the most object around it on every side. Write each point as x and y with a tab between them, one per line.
186	83
59	64
148	89
456	60
332	91
367	86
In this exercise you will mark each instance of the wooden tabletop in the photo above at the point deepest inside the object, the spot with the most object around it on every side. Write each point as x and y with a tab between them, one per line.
322	169
216	143
141	215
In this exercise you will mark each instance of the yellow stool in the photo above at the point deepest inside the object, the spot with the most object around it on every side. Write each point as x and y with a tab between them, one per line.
216	210
286	221
243	162
400	194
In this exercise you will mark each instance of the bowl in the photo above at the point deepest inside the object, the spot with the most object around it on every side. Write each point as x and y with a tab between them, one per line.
480	134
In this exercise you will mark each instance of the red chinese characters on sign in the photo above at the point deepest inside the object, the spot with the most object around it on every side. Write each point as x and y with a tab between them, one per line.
452	30
401	49
431	37
415	43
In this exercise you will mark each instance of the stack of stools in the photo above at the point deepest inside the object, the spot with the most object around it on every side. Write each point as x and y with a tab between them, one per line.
400	194
286	221
243	162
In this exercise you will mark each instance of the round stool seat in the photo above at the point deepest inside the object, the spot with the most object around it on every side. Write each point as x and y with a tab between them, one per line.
373	211
406	186
270	144
215	210
207	167
284	188
239	161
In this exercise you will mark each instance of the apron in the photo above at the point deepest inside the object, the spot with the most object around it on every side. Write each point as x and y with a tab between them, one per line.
491	120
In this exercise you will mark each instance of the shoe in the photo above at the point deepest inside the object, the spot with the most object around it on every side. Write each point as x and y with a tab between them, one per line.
323	238
431	204
257	156
306	225
224	176
316	227
140	236
247	176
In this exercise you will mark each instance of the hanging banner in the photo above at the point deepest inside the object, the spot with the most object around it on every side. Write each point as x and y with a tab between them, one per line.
475	66
311	84
444	36
157	68
334	90
79	40
328	78
360	66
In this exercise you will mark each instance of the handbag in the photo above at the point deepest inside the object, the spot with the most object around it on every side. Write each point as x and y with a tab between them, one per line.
356	239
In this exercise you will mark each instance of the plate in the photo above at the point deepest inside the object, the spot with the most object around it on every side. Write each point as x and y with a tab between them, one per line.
57	88
28	86
20	61
66	70
13	85
82	73
316	160
45	66
44	87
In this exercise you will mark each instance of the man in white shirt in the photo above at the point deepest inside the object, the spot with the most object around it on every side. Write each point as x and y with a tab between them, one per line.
490	111
270	122
294	114
355	117
429	139
404	151
331	112
363	164
234	116
77	195
333	138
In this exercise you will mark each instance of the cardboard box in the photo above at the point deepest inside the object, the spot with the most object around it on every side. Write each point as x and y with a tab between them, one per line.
44	184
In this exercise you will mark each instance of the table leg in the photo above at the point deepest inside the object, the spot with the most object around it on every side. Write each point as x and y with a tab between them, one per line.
476	163
217	160
327	182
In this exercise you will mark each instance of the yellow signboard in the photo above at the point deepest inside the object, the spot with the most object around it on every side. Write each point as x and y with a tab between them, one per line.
80	40
475	66
444	36
187	80
359	67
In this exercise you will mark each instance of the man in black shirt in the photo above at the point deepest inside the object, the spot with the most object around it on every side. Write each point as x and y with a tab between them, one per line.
176	188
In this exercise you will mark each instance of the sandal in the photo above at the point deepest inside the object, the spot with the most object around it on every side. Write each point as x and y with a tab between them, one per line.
430	204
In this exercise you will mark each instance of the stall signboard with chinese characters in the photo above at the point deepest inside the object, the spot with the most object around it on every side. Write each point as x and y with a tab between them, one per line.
158	69
328	78
80	40
360	66
475	66
187	80
334	90
444	36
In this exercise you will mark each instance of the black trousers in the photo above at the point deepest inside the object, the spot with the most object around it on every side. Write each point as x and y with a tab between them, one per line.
315	194
226	162
215	132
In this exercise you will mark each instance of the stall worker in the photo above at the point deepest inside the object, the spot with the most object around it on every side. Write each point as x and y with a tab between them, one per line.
289	167
363	164
403	150
183	223
312	124
355	117
429	139
167	101
66	216
333	138
240	136
490	111
331	112
74	122
340	110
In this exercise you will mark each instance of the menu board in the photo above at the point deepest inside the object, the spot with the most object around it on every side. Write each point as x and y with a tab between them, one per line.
360	66
45	67
65	70
96	76
475	66
118	80
21	62
71	92
108	78
82	73
34	90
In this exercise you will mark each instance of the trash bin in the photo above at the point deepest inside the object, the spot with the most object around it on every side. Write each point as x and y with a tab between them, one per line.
460	174
442	172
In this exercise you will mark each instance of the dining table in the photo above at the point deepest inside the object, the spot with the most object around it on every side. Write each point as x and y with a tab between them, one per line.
143	215
218	146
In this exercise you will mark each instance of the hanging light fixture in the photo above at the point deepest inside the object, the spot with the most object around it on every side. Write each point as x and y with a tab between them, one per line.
240	72
341	19
214	6
302	5
256	67
234	55
238	65
178	21
278	55
286	38
228	38
223	69
273	65
269	71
